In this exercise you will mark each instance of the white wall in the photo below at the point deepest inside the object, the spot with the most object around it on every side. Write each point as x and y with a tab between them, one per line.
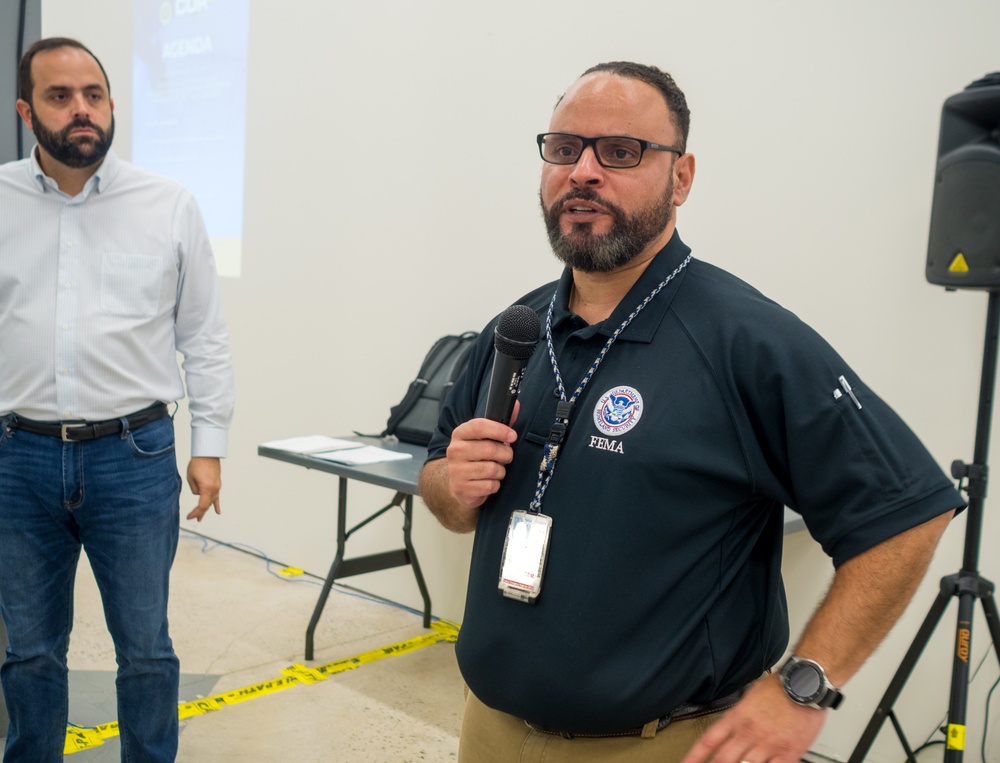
391	198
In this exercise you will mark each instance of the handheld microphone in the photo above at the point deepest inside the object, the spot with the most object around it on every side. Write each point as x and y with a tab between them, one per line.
514	339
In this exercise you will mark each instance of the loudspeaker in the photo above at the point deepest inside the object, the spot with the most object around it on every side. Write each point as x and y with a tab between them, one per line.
964	247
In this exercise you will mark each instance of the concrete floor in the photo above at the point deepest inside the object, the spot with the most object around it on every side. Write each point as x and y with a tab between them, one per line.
237	627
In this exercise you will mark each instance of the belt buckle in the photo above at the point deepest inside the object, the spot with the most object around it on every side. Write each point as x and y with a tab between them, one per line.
69	426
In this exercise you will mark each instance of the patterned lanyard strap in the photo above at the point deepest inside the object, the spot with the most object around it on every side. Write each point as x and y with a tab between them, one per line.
564	408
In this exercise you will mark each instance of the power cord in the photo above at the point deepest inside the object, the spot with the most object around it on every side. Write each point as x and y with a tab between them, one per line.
941	725
210	544
986	718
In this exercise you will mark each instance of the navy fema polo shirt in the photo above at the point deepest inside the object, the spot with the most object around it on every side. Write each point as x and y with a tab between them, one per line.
714	408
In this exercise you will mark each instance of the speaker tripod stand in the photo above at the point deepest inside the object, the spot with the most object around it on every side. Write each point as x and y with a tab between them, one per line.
967	585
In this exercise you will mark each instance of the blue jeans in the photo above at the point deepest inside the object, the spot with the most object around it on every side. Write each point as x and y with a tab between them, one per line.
118	498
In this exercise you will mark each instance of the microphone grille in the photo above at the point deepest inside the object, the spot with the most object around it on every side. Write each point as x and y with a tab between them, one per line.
517	332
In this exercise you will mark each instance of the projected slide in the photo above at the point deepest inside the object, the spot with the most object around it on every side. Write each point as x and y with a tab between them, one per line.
189	86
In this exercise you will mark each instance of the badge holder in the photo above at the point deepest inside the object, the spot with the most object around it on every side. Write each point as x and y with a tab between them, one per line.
524	553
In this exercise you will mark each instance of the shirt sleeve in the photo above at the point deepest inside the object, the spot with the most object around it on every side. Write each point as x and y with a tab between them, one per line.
201	334
827	446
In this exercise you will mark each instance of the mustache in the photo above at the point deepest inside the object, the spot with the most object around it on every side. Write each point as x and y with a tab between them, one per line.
82	122
587	194
581	194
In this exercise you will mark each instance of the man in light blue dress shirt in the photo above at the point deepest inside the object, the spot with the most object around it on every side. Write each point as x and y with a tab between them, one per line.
106	273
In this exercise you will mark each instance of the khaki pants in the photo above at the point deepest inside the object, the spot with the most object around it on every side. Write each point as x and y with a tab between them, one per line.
489	736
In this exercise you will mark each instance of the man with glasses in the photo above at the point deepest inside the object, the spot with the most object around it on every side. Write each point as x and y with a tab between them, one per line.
670	414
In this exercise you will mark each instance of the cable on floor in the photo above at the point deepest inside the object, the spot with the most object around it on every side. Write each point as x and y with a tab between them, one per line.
210	544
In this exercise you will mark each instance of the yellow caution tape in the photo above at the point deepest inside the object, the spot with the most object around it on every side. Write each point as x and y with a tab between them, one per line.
198	707
83	738
304	674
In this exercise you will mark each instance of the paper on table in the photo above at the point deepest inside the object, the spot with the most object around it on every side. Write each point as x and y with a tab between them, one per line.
316	443
369	454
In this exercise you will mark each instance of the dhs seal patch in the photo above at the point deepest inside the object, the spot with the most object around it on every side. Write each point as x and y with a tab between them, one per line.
618	410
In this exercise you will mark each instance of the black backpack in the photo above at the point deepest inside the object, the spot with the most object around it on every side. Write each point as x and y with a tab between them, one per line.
413	419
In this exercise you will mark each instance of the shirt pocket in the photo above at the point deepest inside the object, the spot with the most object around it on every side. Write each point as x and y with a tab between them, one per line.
130	285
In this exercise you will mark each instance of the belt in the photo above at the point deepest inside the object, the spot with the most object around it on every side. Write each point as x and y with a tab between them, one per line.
78	431
682	713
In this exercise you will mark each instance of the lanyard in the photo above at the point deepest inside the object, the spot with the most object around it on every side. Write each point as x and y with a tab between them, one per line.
564	408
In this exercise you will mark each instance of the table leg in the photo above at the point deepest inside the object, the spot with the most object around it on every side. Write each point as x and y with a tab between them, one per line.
412	554
334	568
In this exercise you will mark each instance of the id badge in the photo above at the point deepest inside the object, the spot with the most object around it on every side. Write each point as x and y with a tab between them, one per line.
524	553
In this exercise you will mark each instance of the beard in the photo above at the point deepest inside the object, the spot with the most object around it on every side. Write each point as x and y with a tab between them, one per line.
583	250
76	153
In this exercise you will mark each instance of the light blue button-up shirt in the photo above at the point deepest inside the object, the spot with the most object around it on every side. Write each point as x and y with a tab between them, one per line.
98	294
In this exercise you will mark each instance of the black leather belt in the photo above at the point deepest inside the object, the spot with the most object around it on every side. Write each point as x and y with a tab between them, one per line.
78	431
682	713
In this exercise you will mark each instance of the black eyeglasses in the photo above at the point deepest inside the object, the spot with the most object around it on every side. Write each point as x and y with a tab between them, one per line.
613	151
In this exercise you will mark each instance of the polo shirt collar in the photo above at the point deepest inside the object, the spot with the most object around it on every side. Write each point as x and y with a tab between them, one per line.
644	325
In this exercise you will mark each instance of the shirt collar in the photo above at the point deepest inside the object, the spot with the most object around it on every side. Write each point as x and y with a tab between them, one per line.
106	172
36	171
643	327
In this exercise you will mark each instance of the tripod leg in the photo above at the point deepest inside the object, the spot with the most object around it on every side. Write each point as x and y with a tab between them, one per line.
904	670
967	584
910	757
992	621
958	703
993	624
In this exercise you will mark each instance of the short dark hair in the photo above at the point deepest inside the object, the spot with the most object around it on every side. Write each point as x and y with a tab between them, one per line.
673	95
25	84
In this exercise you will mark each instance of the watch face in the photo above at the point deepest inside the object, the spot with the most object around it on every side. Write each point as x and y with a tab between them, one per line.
803	682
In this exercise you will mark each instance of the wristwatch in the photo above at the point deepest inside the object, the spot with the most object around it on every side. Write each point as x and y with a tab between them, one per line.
805	683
